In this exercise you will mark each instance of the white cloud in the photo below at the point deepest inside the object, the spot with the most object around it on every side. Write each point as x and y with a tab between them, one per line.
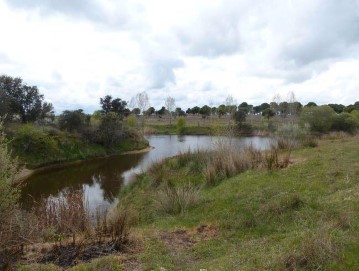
196	52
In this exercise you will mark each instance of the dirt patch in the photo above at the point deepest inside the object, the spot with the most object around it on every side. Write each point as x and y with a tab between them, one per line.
183	239
177	239
206	232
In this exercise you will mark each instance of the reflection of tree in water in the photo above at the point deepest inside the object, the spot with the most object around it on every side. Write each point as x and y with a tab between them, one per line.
107	172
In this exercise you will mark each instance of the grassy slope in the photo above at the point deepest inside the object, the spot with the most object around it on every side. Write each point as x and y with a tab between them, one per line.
305	215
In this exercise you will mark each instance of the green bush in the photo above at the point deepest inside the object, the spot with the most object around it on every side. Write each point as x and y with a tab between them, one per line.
181	125
131	121
345	122
355	114
29	140
319	118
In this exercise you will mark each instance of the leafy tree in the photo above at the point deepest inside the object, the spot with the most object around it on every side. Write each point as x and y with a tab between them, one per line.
338	108
275	107
295	108
136	111
110	129
113	105
257	109
195	110
205	111
311	104
320	118
73	120
24	100
180	112
264	106
245	107
268	113
161	112
214	110
5	112
222	110
284	109
240	115
150	111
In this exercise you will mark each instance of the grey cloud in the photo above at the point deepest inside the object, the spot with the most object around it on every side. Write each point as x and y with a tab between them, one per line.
215	32
331	29
120	15
161	72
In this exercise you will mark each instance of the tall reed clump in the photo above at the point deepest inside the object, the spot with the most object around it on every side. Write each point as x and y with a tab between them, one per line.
70	216
230	161
176	200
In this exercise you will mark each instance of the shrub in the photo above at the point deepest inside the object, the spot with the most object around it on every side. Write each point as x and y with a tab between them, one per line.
111	130
181	125
319	118
73	120
345	122
30	140
131	121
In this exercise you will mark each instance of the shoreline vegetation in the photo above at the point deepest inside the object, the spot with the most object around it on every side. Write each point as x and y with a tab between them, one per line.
289	208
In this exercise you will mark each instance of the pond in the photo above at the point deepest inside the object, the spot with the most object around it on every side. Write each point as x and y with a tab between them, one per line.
101	179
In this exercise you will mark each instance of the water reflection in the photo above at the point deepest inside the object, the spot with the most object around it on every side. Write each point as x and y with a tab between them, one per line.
102	178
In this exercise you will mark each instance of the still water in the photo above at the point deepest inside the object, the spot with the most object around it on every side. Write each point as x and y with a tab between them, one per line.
101	179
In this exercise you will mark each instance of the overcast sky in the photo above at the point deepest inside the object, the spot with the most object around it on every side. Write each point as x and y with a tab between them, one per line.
198	52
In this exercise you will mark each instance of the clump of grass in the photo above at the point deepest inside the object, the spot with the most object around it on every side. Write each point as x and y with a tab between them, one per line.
177	200
118	226
315	252
280	204
226	163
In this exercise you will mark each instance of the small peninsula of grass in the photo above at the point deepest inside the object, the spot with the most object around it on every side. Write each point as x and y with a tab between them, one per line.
37	146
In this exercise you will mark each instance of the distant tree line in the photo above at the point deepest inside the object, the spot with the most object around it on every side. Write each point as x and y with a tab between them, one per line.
19	101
